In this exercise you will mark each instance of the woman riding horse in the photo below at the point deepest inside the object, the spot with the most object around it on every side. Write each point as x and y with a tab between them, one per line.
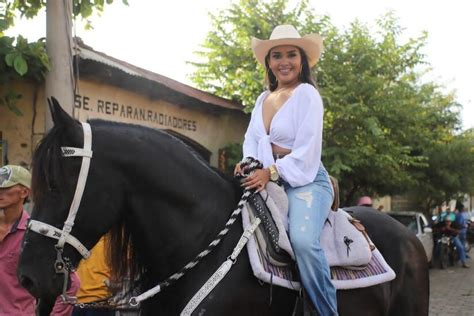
285	133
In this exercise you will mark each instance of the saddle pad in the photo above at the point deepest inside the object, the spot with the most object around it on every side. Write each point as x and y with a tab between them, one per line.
377	271
344	244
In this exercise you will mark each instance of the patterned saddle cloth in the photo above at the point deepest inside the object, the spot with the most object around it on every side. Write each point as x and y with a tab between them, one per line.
353	259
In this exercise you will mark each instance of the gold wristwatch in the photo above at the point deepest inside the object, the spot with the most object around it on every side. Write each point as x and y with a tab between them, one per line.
274	176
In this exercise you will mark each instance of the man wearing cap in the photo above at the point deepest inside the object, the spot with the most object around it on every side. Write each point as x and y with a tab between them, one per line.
15	183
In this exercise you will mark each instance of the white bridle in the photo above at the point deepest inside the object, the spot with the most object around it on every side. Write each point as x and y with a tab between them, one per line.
62	264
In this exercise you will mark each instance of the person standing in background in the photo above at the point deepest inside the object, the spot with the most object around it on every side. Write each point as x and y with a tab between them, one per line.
15	184
365	201
94	273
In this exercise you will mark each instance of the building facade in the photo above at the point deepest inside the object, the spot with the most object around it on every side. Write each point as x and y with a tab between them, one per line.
110	89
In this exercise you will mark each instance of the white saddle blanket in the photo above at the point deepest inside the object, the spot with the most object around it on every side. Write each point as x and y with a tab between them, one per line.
345	247
342	243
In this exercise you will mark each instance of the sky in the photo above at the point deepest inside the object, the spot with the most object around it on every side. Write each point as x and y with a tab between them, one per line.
161	36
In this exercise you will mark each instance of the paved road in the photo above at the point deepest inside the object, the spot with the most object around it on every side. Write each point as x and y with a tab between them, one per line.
452	291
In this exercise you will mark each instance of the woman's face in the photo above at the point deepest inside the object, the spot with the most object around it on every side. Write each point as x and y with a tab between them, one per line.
285	63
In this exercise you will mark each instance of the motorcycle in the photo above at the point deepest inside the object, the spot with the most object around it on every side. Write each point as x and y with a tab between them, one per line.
445	253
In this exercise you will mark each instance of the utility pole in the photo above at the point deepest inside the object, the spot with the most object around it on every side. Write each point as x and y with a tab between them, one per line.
59	80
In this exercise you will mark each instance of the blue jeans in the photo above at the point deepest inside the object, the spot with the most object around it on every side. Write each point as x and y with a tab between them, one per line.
309	207
462	236
460	249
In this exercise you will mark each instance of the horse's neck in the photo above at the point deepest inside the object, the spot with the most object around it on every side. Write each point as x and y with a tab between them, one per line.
173	203
178	213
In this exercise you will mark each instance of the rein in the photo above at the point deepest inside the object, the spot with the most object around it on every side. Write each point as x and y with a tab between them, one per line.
249	165
62	264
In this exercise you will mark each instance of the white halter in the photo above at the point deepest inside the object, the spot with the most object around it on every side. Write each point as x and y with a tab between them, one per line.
63	235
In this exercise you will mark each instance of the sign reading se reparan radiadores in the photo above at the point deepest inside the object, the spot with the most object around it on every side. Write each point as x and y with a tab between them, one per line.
133	112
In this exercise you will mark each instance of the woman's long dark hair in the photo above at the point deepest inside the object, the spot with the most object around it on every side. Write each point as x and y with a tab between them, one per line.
305	75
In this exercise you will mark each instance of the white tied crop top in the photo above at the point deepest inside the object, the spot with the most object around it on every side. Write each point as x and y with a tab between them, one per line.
298	126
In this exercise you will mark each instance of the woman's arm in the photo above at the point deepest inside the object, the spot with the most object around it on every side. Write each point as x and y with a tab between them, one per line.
301	166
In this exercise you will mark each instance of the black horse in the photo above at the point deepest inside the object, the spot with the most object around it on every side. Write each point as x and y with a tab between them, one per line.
163	205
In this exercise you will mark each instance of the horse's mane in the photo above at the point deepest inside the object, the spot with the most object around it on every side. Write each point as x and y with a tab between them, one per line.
150	132
126	261
47	169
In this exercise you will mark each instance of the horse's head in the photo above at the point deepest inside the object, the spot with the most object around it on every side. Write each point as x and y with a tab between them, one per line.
55	177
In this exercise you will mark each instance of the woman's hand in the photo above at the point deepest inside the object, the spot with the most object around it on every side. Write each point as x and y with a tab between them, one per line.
258	180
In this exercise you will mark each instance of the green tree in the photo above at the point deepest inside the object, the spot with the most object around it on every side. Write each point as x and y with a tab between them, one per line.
227	67
379	115
449	176
28	60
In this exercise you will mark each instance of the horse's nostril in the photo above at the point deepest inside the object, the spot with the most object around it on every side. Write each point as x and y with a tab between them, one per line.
26	282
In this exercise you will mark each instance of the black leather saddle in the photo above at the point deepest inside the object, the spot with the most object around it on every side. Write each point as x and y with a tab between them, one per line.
267	232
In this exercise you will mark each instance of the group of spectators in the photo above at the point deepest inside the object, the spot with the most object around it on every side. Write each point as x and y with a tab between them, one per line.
89	284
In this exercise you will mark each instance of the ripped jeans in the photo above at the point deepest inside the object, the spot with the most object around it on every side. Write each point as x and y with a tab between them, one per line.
309	207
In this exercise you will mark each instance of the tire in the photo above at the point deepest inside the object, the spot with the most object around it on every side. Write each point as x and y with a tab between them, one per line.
453	255
443	256
467	246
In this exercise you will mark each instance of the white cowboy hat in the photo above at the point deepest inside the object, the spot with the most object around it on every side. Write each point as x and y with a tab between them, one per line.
311	44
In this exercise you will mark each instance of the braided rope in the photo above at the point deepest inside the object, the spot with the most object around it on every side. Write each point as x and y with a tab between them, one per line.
248	165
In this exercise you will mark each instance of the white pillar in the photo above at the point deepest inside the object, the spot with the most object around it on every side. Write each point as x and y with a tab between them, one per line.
59	81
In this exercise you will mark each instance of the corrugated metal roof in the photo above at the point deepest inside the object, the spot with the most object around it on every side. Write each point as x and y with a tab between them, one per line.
99	66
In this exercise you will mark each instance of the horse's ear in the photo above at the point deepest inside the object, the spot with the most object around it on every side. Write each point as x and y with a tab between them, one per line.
60	117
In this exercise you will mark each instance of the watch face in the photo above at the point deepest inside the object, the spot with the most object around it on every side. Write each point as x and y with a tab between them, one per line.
273	174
